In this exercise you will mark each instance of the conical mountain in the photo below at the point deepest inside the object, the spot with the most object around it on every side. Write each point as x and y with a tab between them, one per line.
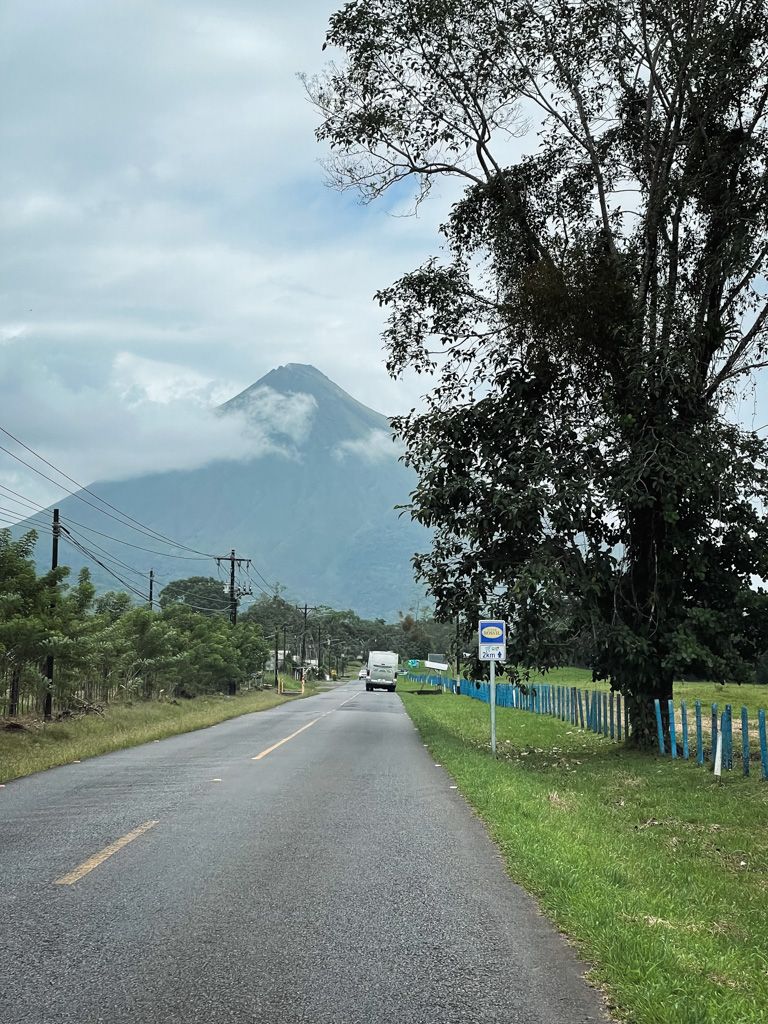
314	508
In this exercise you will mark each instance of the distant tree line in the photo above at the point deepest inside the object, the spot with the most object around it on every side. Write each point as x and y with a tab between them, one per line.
105	647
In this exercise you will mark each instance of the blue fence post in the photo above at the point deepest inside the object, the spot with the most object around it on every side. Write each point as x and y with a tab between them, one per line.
587	708
605	714
599	702
567	703
728	738
684	713
763	746
699	735
745	741
581	710
672	736
626	719
659	726
618	717
714	731
612	710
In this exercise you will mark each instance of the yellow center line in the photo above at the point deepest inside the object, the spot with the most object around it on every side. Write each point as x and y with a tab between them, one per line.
350	698
279	743
98	858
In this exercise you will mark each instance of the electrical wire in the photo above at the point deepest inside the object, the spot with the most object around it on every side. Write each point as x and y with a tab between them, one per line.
30	519
110	557
108	536
90	554
20	499
139	527
256	582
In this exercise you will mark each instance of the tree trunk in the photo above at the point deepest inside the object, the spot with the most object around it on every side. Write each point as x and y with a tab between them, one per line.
13	702
643	727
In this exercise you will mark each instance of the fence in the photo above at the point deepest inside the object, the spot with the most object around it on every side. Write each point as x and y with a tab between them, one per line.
606	714
33	688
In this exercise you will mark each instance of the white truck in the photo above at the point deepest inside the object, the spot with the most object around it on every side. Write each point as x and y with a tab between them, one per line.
382	671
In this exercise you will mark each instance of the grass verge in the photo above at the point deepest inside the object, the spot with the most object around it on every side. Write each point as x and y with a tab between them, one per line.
42	746
657	871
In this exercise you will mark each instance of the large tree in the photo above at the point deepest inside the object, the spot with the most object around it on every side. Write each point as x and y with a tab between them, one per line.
203	594
598	308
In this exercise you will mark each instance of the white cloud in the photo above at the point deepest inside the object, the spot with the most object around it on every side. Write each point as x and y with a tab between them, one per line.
270	414
376	447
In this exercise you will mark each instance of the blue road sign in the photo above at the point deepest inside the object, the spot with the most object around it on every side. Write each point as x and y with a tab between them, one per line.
492	640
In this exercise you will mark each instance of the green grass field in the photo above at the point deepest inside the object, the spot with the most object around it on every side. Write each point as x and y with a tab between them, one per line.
42	746
654	868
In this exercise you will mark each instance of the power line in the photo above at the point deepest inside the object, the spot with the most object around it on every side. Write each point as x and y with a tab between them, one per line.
90	554
20	499
11	513
256	582
139	547
140	527
91	529
114	558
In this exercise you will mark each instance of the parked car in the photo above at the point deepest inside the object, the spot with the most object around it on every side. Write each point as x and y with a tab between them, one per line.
363	673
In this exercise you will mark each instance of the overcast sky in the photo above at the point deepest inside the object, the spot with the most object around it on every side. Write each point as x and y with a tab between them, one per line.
167	234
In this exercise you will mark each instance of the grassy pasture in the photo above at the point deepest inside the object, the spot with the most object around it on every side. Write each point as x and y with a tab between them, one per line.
654	868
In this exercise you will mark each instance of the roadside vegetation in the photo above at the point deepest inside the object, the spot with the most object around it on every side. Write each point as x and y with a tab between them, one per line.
33	746
65	649
655	869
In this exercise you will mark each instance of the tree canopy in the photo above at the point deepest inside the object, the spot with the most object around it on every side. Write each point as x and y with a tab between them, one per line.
598	308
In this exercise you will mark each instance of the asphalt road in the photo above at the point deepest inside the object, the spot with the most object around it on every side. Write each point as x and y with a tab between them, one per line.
337	878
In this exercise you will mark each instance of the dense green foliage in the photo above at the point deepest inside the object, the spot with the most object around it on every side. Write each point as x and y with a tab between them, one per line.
204	594
103	647
599	303
351	637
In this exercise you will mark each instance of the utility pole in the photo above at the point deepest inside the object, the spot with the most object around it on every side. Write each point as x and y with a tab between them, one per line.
232	595
232	592
48	706
285	644
151	587
277	642
304	638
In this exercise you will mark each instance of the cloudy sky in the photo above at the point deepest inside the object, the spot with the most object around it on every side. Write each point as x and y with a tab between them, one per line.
167	237
167	234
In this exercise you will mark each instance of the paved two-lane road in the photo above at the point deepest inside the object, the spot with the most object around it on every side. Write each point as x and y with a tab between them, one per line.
335	878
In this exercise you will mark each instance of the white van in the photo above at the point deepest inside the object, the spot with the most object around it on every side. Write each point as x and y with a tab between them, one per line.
382	671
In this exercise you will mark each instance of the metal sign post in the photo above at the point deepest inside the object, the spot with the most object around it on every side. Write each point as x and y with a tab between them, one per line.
492	643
